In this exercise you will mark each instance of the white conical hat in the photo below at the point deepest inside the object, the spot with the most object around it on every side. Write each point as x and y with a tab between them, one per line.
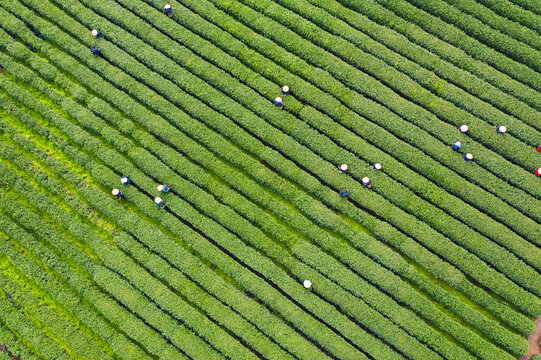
463	128
377	166
94	32
366	180
278	99
167	6
502	129
457	143
343	167
285	88
116	192
160	187
158	200
307	284
469	156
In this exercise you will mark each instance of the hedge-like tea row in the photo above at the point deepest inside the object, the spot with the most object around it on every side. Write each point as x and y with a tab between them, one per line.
514	12
434	107
108	111
457	56
476	29
473	47
315	119
301	320
60	330
430	81
14	345
499	23
521	253
201	273
406	131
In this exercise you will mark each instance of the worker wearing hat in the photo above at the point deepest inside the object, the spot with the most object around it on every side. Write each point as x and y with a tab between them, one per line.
307	284
118	194
96	34
278	102
467	157
366	182
500	129
159	202
163	188
343	168
538	148
463	128
168	10
538	171
344	193
456	146
285	90
376	166
124	180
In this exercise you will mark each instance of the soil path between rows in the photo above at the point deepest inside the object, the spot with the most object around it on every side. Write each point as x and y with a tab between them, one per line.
533	341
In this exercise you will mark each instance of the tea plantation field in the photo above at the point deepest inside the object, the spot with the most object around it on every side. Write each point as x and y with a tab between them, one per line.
433	256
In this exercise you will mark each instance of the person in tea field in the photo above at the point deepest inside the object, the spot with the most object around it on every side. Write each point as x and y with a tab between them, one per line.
463	129
168	10
278	102
538	148
538	171
343	169
125	180
500	129
456	146
163	188
96	34
344	193
159	202
467	157
118	194
366	182
307	284
94	50
376	166
285	90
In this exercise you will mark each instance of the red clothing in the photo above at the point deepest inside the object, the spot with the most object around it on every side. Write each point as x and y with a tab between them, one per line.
538	171
539	148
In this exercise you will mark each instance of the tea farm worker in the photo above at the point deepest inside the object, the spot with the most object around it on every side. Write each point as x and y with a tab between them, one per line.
124	180
96	34
463	128
94	50
307	284
118	194
456	146
285	90
467	157
159	202
501	129
343	168
344	193
163	188
168	10
278	102
538	171
538	148
366	182
376	166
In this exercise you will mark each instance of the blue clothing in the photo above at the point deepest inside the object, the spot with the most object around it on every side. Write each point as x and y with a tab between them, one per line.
94	50
165	189
465	158
456	146
160	203
344	193
168	11
277	103
120	195
285	93
498	130
125	181
98	35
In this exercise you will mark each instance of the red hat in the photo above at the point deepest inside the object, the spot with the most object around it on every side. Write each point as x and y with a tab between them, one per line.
538	171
